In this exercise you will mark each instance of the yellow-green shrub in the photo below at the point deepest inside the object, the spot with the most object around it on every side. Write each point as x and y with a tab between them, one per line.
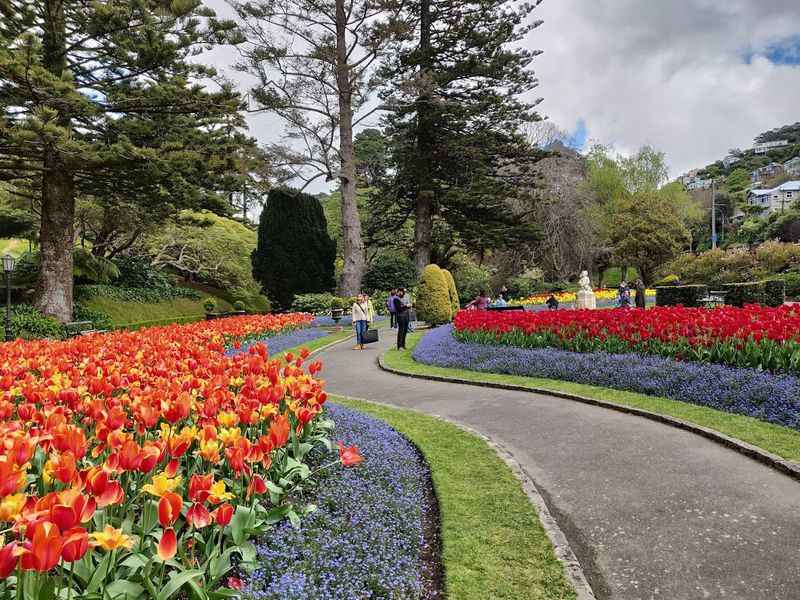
455	303
433	298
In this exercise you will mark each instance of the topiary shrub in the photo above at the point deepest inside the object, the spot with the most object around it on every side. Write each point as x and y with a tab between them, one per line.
455	304
209	305
295	254
433	298
685	295
739	294
389	271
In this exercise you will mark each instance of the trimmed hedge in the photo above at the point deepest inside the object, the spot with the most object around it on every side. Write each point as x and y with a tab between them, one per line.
686	295
135	294
771	292
433	298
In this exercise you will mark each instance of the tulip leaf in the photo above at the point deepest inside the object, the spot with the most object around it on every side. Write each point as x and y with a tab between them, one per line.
277	514
99	574
242	522
197	592
176	581
122	589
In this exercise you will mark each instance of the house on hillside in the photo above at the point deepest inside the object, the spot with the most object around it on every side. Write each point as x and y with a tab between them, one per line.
730	160
765	147
792	166
774	200
699	184
766	172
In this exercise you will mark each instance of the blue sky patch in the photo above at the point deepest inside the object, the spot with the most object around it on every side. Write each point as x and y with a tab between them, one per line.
578	138
782	52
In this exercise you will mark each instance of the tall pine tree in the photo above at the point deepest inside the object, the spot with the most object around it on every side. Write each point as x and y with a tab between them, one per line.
456	94
100	99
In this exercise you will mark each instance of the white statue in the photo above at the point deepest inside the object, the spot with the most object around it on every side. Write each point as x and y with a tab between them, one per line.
585	296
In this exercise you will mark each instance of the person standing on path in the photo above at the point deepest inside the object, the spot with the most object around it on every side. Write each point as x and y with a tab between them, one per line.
390	307
641	301
360	313
401	315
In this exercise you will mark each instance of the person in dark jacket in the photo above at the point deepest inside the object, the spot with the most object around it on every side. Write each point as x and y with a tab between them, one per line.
641	300
401	309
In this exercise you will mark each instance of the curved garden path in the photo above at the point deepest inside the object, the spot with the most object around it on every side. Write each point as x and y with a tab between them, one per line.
651	511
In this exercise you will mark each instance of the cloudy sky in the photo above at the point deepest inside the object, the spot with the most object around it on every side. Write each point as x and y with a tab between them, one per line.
691	77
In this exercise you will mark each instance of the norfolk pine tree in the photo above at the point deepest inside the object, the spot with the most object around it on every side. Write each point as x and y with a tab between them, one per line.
99	98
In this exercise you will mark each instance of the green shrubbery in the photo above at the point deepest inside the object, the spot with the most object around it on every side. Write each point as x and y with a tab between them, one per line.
29	323
99	319
470	278
313	303
771	293
433	298
135	294
455	304
388	271
686	295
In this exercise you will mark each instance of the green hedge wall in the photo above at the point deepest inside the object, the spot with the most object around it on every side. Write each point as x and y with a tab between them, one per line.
771	292
686	295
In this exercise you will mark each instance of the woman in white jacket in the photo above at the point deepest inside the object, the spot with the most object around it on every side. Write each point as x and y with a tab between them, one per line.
361	318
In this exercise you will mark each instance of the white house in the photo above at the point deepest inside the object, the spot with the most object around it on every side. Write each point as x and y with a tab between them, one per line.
765	147
774	200
730	160
792	166
699	184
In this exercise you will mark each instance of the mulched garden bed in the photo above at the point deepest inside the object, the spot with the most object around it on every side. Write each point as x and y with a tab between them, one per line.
770	397
375	533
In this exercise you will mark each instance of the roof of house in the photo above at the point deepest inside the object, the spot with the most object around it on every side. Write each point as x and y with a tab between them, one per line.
790	186
761	192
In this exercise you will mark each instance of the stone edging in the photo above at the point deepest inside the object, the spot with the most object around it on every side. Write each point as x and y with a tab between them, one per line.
767	458
563	550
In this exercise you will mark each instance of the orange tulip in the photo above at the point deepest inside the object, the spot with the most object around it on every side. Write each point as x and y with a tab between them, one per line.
168	545
198	516
349	456
12	479
44	550
169	508
76	544
279	431
69	438
130	456
63	467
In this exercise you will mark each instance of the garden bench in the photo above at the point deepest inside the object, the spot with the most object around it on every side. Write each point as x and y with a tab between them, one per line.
76	328
522	308
713	299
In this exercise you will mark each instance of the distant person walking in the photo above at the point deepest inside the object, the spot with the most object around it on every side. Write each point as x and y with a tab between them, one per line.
390	308
640	299
360	319
401	310
481	302
623	295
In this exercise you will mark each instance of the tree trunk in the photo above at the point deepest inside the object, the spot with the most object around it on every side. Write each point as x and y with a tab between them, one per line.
351	222
423	213
56	237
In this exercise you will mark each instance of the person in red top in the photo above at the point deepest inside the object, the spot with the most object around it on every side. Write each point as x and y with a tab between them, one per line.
481	302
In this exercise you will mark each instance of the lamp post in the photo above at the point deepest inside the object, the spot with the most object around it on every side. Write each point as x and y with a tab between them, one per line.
8	268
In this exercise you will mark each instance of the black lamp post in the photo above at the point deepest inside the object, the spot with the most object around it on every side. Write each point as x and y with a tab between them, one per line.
8	268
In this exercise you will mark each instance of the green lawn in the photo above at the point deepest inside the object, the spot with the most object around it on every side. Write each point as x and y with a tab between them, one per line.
13	246
141	313
779	440
494	546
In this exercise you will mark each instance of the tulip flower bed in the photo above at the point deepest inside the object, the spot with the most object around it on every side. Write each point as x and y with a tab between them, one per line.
770	397
137	464
756	337
601	294
366	537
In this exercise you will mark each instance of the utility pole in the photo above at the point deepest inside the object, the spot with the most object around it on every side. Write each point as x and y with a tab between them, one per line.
713	215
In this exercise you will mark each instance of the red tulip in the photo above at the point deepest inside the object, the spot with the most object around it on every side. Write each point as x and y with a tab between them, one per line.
8	559
168	545
200	486
76	543
223	514
279	431
198	516
169	508
45	547
349	456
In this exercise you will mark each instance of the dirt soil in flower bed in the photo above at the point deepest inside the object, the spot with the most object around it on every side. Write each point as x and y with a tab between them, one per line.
374	534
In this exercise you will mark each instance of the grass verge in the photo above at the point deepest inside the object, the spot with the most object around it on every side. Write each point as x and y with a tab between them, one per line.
493	543
125	314
779	440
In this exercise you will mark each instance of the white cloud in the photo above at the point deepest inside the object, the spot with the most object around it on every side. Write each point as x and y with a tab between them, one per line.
669	73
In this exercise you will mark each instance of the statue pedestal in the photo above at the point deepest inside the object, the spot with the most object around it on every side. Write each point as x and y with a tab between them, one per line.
586	299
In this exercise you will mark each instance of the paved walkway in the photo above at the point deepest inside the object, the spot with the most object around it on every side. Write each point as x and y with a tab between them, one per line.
651	511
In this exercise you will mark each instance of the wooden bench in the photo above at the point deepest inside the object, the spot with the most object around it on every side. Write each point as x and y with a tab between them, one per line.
504	308
76	328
